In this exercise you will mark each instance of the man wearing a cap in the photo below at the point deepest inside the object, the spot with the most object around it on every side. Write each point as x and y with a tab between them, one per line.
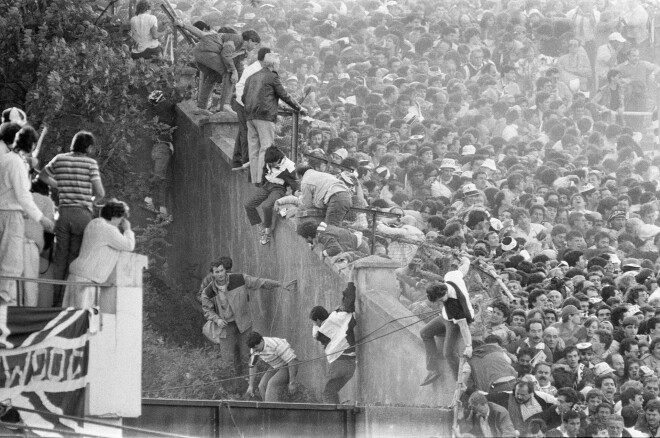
606	56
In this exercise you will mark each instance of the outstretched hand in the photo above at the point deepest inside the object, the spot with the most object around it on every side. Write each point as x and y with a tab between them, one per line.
290	285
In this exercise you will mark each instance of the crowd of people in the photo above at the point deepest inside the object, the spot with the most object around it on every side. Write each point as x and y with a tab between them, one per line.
501	147
83	250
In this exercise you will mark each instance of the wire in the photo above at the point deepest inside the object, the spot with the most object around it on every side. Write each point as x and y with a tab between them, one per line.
100	423
229	379
426	315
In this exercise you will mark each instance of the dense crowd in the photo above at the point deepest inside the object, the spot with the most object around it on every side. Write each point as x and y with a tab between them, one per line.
510	140
503	148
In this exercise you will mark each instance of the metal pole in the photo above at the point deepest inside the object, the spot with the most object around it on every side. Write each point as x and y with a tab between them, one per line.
373	233
294	137
175	37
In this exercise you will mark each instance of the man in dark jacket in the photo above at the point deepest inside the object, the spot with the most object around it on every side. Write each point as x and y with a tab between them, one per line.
261	96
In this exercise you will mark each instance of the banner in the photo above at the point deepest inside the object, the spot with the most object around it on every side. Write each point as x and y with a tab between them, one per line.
43	363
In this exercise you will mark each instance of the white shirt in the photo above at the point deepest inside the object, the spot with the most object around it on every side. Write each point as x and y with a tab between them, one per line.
141	26
240	85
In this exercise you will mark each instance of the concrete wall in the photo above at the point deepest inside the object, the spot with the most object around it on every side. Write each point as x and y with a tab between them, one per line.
210	221
115	351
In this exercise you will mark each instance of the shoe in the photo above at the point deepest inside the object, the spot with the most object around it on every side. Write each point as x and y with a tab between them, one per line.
150	203
163	210
260	229
228	111
202	111
265	237
431	377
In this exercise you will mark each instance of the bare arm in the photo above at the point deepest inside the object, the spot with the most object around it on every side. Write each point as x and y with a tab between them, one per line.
97	188
47	179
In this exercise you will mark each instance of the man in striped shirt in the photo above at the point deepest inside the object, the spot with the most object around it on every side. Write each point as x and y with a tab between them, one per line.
281	358
78	181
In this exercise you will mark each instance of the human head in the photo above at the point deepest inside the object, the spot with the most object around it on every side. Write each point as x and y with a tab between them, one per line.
318	313
114	209
225	262
261	54
25	139
82	141
254	341
271	61
251	39
142	7
523	391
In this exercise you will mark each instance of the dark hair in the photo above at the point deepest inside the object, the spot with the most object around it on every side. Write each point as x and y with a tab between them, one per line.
435	291
261	54
251	35
142	7
226	262
307	230
114	208
570	394
25	139
273	154
318	312
254	339
82	141
199	24
502	307
8	131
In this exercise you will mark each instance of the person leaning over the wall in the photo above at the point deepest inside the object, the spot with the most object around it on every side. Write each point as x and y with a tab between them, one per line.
225	301
217	56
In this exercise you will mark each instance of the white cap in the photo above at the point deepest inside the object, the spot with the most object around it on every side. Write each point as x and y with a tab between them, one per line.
489	163
469	149
616	36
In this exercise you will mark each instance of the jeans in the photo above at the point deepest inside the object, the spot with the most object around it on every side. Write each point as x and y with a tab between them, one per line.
12	230
454	345
69	230
338	205
209	78
273	382
266	197
339	373
241	152
432	329
261	135
236	344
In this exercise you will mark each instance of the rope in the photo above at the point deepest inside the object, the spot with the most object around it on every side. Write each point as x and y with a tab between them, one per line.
229	379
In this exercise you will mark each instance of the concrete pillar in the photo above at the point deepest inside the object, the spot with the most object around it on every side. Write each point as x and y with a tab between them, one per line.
115	351
376	273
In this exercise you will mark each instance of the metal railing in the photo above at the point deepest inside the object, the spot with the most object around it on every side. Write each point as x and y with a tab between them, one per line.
20	289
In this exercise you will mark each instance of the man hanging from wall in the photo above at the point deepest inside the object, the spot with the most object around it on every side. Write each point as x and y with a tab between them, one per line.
336	331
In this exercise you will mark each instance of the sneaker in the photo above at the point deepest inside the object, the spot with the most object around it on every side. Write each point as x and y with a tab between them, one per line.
163	210
202	111
228	110
260	229
150	203
265	237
